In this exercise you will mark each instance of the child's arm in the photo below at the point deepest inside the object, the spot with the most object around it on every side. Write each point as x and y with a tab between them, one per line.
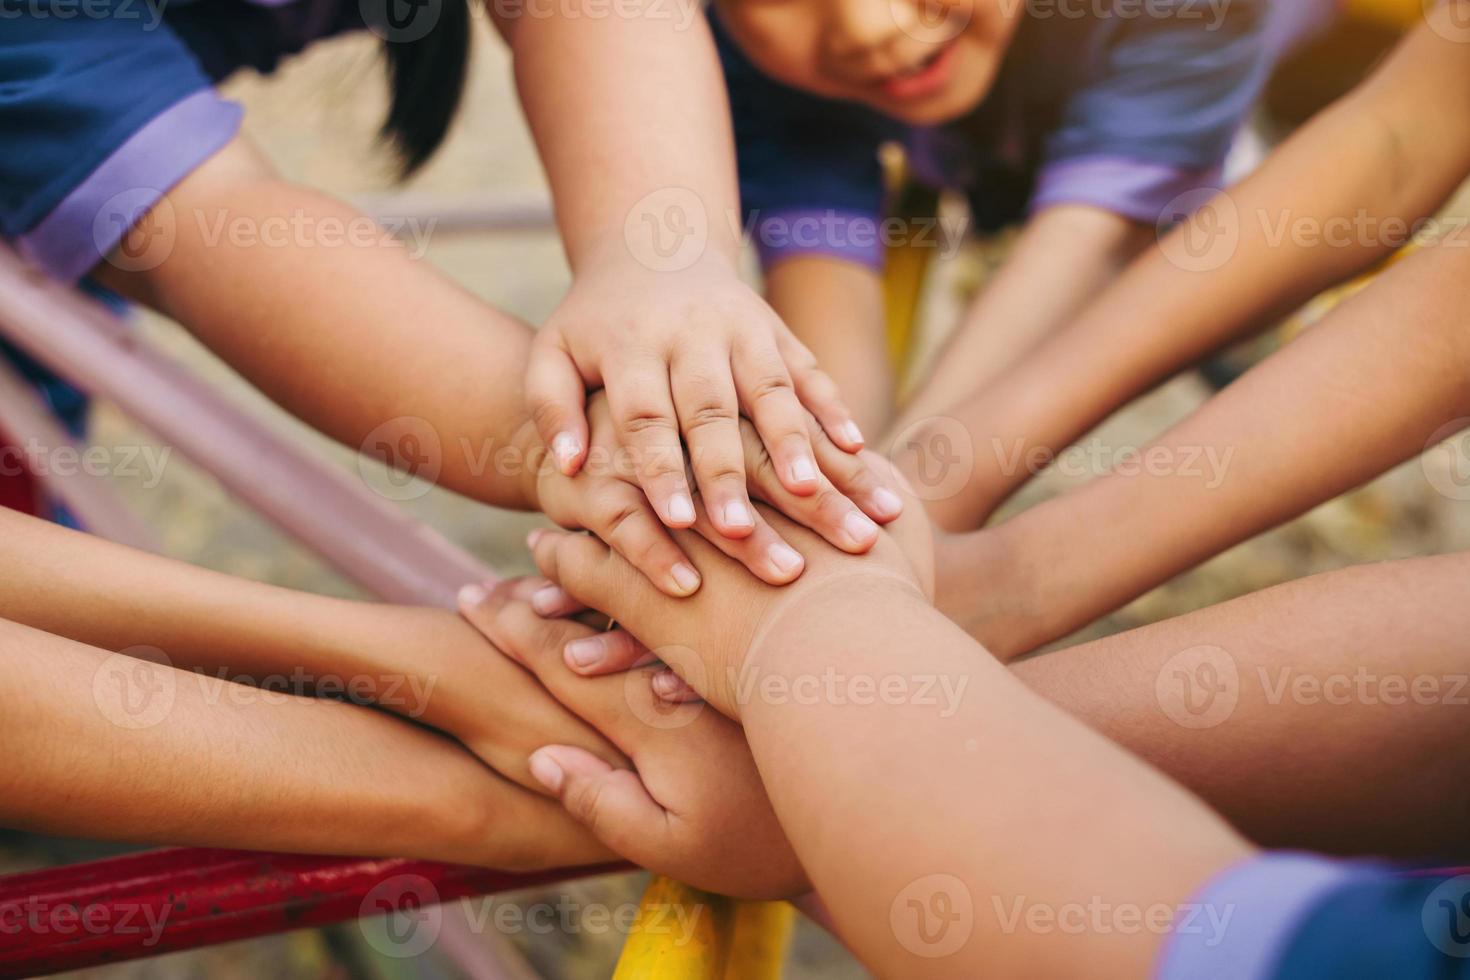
424	664
1328	204
1000	801
107	747
1378	382
632	120
1065	257
385	354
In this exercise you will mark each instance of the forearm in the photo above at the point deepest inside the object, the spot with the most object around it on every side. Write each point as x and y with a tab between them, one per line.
1361	672
1003	777
340	326
1063	259
105	747
1397	151
651	115
1373	385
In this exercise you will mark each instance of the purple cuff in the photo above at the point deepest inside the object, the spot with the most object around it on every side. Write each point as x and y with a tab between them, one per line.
1256	907
1131	188
93	218
849	235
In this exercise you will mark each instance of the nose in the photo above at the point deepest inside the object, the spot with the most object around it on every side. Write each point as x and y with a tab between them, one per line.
864	31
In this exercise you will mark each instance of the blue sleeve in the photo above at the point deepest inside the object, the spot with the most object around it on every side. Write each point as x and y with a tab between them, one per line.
1166	97
810	178
101	116
1298	917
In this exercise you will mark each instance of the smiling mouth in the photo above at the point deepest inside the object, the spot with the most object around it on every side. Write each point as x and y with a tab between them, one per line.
920	80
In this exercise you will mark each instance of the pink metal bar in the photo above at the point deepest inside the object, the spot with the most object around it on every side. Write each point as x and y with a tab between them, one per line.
26	421
339	517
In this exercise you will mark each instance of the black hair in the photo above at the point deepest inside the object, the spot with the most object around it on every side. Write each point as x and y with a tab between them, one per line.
426	78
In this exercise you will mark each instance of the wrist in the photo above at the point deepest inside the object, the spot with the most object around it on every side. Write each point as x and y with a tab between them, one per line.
531	459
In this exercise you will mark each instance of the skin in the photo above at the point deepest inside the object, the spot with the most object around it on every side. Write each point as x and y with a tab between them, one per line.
1399	147
625	325
351	362
987	823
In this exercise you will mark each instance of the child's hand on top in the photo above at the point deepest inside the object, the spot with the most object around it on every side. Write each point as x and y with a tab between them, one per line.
605	497
684	353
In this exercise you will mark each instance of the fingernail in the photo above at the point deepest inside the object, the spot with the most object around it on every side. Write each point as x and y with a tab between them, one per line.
859	527
664	684
803	470
888	503
786	558
548	601
585	652
565	448
737	514
852	433
472	595
533	537
685	577
546	771
681	509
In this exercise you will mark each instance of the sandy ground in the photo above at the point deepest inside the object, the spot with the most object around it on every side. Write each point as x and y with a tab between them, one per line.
317	120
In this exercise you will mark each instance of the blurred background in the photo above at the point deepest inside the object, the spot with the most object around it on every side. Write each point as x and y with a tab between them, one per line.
317	119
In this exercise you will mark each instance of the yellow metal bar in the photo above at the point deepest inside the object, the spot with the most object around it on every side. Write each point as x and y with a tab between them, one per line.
761	934
681	933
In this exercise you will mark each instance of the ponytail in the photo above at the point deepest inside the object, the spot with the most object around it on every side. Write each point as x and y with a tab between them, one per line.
426	75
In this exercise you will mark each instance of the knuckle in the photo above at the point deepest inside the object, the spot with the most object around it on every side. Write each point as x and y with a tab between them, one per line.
708	414
770	385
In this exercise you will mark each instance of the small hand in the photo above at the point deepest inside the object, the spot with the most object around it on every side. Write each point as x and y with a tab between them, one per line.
695	808
705	638
683	354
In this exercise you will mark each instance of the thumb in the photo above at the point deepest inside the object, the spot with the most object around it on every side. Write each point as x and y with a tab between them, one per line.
556	397
612	803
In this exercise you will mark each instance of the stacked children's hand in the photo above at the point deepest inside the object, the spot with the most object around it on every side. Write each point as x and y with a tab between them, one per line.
696	362
607	496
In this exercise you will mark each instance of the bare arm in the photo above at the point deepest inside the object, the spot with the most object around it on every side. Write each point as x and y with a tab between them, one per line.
1065	257
424	664
114	748
1333	200
1378	382
333	320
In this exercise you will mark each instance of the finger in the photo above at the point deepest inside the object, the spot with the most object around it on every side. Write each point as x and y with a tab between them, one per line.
767	556
819	394
767	398
643	416
623	517
865	478
827	512
606	653
709	414
586	569
612	803
556	397
669	686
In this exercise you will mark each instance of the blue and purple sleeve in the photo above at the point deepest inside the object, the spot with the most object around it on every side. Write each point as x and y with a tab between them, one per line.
810	179
1298	917
100	117
1169	94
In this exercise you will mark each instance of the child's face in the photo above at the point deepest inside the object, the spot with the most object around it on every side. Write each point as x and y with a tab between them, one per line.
920	61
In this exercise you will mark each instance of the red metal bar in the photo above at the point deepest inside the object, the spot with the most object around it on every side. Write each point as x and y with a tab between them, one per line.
158	902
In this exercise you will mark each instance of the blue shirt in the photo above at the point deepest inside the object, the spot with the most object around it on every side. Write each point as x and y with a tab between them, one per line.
1093	106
